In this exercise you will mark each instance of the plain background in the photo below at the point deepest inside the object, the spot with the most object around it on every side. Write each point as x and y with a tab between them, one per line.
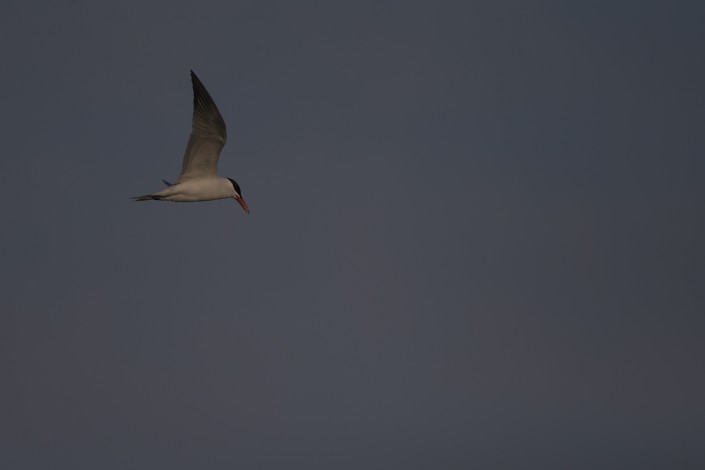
476	237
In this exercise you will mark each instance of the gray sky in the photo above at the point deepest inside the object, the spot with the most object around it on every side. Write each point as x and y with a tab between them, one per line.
476	237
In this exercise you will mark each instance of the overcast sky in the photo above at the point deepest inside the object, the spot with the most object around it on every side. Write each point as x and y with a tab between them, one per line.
476	237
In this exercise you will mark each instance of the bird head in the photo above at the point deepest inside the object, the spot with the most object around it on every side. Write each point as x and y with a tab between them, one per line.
238	195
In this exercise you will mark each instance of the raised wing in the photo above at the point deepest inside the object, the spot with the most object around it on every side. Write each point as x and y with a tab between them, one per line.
208	135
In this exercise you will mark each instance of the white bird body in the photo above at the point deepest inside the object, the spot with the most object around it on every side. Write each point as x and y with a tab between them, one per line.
208	188
199	180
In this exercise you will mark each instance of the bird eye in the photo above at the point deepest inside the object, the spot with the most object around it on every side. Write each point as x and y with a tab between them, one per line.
236	186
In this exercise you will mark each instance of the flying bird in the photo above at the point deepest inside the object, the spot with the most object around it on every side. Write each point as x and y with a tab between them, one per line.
199	180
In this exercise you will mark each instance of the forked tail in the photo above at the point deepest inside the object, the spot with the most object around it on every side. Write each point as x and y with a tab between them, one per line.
148	197
158	196
154	197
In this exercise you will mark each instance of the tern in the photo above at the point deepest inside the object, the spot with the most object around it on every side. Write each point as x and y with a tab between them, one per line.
199	180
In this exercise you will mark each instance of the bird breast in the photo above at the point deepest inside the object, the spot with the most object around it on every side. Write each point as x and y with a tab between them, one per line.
201	189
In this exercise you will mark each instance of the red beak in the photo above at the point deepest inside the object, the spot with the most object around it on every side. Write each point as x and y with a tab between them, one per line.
243	204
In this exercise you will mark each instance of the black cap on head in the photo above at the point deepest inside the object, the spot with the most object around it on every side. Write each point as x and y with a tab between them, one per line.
236	186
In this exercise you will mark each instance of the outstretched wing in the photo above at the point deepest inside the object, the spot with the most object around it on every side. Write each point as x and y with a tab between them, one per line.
208	135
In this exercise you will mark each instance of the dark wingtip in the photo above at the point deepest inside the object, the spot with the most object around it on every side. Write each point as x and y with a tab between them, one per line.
167	183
